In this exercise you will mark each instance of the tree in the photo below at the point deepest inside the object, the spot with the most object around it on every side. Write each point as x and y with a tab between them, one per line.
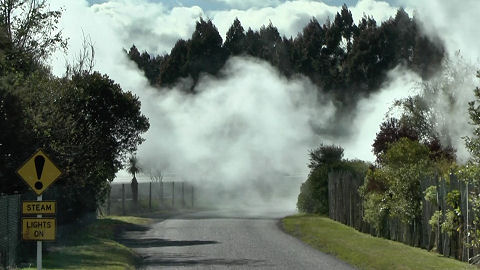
150	65
134	169
234	41
427	114
390	132
15	138
32	31
270	41
324	155
349	29
341	58
174	65
470	173
84	120
205	52
313	197
89	125
473	142
307	50
395	186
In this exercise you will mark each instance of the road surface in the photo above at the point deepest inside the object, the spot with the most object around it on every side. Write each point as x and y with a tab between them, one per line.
223	239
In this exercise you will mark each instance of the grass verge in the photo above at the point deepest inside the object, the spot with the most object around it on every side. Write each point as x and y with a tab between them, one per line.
362	250
94	247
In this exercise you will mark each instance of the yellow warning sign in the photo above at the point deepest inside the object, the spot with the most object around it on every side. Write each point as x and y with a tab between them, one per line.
38	229
39	207
39	172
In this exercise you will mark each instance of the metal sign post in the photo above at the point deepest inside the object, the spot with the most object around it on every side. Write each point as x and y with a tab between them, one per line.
39	172
39	243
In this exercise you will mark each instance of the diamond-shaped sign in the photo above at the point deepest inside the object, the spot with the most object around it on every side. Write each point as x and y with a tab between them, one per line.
39	172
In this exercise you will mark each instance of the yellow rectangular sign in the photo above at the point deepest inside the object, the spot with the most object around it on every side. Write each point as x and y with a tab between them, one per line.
39	207
39	229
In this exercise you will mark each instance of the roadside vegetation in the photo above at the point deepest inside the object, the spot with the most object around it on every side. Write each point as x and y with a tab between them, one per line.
417	191
95	247
86	123
362	250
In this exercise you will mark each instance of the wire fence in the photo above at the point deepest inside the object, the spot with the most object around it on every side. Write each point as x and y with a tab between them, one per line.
9	229
151	196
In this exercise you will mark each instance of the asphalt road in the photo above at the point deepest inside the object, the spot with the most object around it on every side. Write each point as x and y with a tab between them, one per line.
223	239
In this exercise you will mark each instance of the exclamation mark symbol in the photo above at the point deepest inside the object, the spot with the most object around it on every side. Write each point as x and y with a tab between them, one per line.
39	162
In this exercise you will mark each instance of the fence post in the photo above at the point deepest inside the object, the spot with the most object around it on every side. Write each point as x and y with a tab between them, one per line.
123	199
109	202
468	240
183	194
173	194
7	264
161	193
150	197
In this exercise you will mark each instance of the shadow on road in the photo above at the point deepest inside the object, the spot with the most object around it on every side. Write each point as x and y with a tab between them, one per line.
182	260
158	242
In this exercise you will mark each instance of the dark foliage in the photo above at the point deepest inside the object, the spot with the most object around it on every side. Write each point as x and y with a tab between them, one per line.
341	57
84	121
14	139
324	155
390	132
393	130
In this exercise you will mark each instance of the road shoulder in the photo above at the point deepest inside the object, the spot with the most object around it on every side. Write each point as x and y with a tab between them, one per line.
361	250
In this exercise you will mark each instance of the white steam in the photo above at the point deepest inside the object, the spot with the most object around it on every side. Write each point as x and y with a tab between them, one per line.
456	25
249	129
448	94
245	135
371	111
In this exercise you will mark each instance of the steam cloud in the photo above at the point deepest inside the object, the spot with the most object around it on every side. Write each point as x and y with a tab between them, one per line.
456	25
250	130
247	134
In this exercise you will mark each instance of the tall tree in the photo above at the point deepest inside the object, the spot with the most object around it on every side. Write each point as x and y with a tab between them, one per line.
308	50
175	65
31	28
235	39
313	197
89	125
205	51
473	142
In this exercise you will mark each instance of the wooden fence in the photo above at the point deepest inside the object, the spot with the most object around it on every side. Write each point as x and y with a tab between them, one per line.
345	206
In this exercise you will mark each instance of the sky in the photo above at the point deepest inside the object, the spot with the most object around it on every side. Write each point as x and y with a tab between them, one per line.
155	26
231	134
239	4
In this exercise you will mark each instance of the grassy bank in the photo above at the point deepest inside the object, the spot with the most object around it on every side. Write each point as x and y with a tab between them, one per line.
94	247
362	250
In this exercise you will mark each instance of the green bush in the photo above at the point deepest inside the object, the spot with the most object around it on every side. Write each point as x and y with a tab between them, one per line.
313	197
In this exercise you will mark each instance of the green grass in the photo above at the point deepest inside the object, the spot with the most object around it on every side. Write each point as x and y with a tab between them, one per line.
362	250
94	247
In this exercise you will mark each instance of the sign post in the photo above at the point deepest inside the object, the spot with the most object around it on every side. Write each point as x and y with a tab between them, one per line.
39	173
39	243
